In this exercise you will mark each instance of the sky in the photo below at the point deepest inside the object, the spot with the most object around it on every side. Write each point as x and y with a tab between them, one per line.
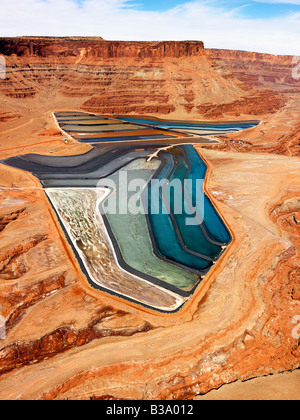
270	26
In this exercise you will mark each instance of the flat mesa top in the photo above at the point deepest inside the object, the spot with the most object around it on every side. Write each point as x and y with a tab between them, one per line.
145	269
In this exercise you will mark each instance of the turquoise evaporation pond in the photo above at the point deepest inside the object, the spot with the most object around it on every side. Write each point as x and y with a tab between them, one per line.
133	238
212	222
163	231
191	126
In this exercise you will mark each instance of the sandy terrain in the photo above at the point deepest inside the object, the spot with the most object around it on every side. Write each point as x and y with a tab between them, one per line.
62	339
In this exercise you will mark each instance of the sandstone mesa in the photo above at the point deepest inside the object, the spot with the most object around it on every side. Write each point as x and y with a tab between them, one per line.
63	339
